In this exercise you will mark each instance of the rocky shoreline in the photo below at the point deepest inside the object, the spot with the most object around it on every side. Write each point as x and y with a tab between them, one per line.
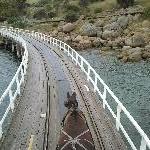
110	30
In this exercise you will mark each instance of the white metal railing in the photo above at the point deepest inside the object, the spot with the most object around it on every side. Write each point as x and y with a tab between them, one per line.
17	80
89	71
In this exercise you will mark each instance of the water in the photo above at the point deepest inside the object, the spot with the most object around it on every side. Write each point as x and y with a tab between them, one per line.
131	84
8	67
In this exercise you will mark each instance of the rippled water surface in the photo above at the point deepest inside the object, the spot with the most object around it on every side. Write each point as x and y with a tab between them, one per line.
8	67
131	84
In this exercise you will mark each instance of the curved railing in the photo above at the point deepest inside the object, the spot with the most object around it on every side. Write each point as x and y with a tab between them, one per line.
95	79
14	87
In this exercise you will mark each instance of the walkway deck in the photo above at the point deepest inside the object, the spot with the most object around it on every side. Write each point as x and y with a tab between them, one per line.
50	87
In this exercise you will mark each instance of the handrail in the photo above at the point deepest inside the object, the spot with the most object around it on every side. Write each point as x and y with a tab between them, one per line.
80	61
21	71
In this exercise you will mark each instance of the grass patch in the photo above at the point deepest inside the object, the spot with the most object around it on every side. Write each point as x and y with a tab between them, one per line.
32	1
103	5
145	3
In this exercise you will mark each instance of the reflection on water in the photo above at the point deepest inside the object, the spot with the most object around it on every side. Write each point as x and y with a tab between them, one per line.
8	67
131	84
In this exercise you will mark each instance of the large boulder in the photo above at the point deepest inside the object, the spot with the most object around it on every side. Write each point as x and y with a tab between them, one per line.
110	34
99	23
85	43
123	21
112	26
68	27
88	29
78	39
135	54
118	25
135	41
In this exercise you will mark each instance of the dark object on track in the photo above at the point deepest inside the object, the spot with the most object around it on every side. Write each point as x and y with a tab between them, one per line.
75	134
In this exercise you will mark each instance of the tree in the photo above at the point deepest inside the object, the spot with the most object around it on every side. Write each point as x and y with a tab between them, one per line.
83	2
125	3
10	8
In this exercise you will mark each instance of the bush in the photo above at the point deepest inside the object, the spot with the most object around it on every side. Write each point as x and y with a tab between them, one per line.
71	16
55	24
18	22
51	14
125	3
97	10
40	14
72	8
146	13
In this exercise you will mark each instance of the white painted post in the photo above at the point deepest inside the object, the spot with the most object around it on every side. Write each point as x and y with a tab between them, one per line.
88	73
67	49
143	144
118	117
81	64
11	100
95	84
77	58
22	75
18	85
104	97
1	130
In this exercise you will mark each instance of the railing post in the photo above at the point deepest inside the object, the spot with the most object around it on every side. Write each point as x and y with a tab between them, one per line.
104	97
95	83
143	144
18	85
81	64
11	100
118	117
67	49
77	58
88	73
22	75
1	130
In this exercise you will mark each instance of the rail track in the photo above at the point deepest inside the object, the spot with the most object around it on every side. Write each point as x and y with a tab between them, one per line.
77	86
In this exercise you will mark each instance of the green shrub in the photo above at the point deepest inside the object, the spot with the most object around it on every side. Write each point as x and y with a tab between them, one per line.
97	10
125	3
18	22
146	13
72	8
71	16
40	14
91	21
55	24
51	14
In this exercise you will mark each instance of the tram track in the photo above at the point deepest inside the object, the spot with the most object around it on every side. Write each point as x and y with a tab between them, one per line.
92	122
78	87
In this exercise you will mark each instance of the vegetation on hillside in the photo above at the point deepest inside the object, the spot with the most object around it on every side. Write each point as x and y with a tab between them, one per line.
19	12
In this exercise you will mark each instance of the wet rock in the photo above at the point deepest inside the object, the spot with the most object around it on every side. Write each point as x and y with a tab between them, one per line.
135	54
146	55
110	34
96	42
68	27
123	21
105	49
67	39
146	23
78	39
112	26
135	41
88	29
126	48
99	23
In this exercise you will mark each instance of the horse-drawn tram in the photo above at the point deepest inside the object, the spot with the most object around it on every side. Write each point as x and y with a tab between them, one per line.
76	133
